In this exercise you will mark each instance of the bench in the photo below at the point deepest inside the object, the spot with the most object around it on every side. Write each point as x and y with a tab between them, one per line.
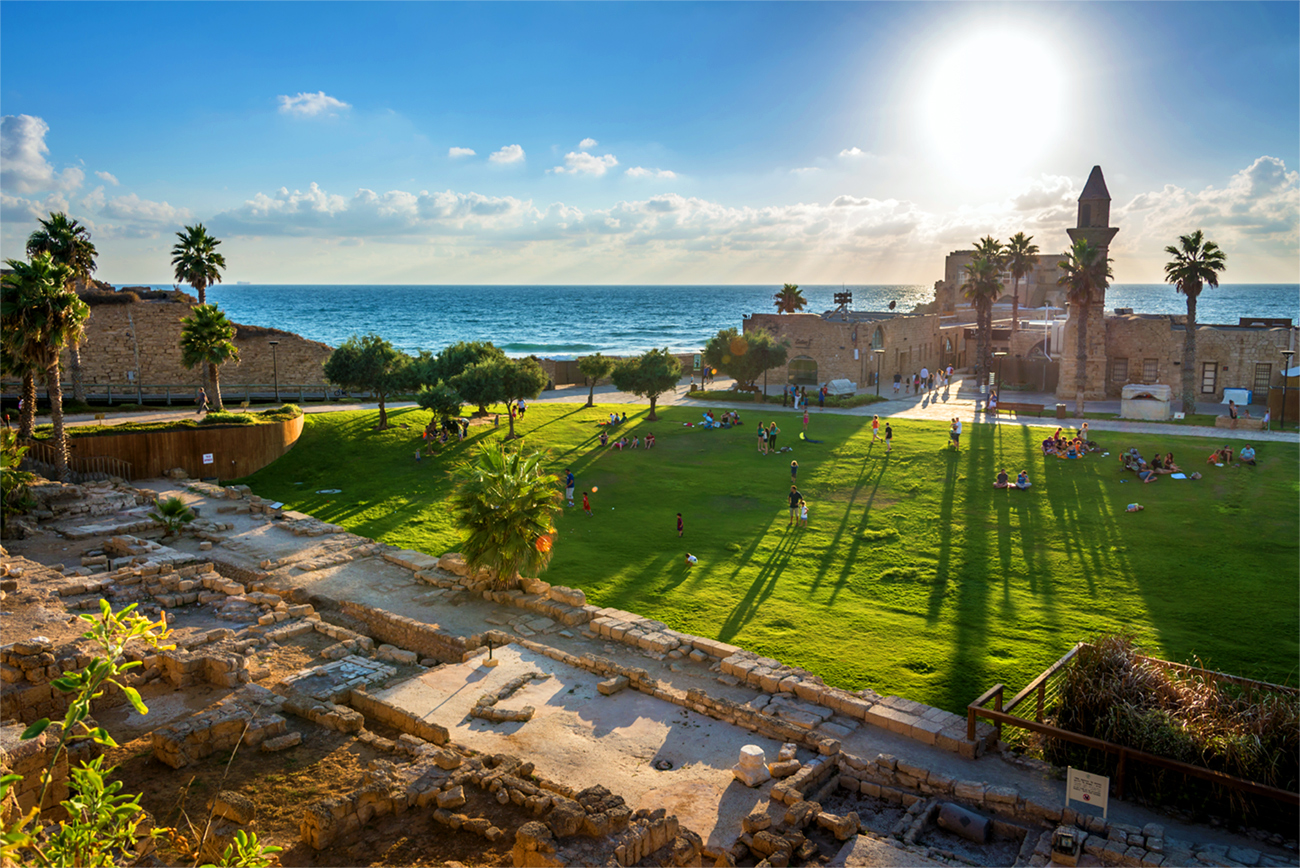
1014	407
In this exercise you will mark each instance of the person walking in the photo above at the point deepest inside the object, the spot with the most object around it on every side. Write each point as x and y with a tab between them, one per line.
202	401
898	381
569	483
794	471
875	428
925	377
805	416
586	504
771	437
795	499
889	439
821	398
762	439
955	433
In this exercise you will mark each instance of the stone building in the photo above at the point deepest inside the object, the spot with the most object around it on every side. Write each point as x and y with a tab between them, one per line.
1037	288
132	340
843	345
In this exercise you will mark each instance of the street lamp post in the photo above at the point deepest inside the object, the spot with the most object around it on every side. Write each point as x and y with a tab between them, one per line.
275	369
1286	366
879	355
999	357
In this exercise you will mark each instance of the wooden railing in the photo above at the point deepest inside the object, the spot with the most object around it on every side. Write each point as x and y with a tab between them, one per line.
106	464
1043	687
183	394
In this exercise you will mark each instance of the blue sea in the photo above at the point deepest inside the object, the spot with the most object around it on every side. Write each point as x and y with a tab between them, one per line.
567	321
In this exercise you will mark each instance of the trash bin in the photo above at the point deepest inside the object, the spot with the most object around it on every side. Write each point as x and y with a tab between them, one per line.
1061	411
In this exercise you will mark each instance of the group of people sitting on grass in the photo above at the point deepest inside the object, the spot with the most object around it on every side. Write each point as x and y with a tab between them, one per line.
1060	446
624	443
1220	457
441	433
615	419
1004	481
1149	471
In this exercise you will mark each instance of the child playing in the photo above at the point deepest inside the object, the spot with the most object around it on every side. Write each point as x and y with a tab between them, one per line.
794	471
803	513
691	560
586	504
875	428
889	438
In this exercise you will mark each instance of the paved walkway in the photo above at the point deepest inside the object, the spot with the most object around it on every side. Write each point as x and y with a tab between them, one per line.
939	406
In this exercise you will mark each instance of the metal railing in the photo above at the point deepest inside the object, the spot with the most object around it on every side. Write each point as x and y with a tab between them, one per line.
1043	688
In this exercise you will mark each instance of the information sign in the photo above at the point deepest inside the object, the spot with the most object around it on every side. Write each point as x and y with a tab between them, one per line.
1087	788
207	458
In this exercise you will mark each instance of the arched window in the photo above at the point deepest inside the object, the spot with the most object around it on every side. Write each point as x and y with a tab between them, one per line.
803	371
878	339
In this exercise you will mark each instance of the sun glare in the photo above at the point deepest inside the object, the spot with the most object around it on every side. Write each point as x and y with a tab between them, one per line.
992	104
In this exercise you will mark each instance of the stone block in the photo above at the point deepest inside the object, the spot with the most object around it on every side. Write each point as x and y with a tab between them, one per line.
233	806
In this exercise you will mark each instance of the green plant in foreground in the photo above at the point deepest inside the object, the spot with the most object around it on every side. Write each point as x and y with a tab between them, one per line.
13	482
173	514
508	504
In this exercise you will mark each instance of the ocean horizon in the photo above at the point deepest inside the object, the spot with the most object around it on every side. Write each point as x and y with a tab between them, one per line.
564	321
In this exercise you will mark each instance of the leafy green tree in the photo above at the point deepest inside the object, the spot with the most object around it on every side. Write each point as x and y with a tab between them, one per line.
441	400
207	339
479	384
507	503
595	368
1085	274
453	361
371	364
1021	257
68	242
172	513
649	375
1195	263
745	357
982	287
196	261
790	299
45	316
501	381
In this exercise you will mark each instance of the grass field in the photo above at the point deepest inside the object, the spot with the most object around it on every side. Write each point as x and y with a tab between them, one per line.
915	576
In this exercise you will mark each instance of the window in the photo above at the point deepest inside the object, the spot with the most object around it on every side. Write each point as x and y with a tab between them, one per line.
1119	370
803	371
1150	370
878	339
1263	378
1209	377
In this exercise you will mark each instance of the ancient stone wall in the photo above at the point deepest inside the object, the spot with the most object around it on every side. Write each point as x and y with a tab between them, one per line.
843	349
140	342
425	639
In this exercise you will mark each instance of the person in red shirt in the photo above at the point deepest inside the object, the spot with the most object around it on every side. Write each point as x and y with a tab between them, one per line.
586	504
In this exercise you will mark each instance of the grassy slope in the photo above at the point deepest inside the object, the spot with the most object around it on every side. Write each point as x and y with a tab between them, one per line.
915	577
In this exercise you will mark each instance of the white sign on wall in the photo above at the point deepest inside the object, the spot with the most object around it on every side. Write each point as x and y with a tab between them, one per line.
1087	788
207	458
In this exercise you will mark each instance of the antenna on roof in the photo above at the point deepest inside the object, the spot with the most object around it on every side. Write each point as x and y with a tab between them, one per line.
843	300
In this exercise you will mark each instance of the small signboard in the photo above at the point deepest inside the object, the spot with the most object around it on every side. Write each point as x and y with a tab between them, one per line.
207	458
698	363
1180	416
1087	788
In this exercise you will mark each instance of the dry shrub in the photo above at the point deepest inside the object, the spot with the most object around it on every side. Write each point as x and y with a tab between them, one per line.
1246	731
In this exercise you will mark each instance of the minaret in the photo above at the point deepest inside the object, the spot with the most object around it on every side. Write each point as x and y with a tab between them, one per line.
1094	227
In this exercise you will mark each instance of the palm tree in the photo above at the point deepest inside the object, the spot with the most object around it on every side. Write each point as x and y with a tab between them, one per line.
196	260
45	316
206	340
68	242
1022	256
790	299
982	288
508	503
1085	274
14	364
1195	263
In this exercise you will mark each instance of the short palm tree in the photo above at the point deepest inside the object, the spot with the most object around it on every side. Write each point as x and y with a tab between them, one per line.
196	260
982	288
790	299
1022	256
172	513
1195	263
68	242
1085	274
508	503
206	339
45	316
13	364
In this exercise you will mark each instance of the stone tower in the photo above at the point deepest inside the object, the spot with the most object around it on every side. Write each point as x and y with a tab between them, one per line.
1093	225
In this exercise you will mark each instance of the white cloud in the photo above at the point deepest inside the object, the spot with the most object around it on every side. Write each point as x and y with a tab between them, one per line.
642	172
587	144
132	209
460	152
508	154
23	167
1047	192
15	211
853	152
108	178
310	105
806	170
580	162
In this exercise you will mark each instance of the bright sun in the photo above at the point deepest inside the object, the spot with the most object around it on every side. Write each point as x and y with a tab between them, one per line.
993	102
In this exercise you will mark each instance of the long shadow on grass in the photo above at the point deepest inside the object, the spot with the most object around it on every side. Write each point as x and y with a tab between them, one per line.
851	558
762	586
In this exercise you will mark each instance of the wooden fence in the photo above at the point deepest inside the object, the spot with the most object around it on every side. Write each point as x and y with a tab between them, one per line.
226	452
1044	686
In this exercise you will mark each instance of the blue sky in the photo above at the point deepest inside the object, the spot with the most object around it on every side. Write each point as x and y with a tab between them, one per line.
647	142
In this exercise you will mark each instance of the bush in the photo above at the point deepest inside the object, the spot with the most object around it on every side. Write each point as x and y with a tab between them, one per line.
227	418
1247	731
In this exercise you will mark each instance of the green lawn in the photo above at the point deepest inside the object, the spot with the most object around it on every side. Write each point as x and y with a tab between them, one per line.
915	577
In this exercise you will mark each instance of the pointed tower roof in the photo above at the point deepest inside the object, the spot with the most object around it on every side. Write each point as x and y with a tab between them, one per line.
1096	186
